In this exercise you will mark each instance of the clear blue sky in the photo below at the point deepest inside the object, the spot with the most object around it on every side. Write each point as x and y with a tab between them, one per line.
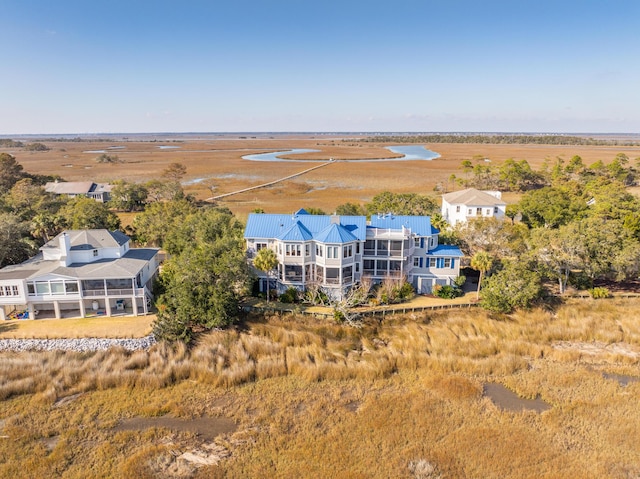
302	65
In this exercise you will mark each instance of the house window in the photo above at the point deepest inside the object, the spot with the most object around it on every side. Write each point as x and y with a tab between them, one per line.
357	267
1	291
495	210
95	252
469	211
347	251
416	242
14	289
332	252
57	287
357	248
42	287
31	288
307	250
447	262
71	286
260	246
293	250
458	209
488	212
432	262
478	211
416	262
318	250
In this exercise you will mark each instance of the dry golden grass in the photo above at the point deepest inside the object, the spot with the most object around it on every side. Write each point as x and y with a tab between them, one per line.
316	399
220	161
98	327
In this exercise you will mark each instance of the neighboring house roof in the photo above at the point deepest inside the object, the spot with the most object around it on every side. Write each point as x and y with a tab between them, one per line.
471	196
445	250
260	225
88	240
76	187
127	266
335	234
419	225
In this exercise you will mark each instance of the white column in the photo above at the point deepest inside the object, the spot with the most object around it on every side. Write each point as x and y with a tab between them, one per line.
134	304
3	313
56	308
83	311
32	311
107	306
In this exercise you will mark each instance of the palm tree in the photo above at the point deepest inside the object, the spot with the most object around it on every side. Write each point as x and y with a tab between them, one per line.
266	260
481	261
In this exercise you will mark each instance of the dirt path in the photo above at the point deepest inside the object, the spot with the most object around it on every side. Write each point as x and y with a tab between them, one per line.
213	198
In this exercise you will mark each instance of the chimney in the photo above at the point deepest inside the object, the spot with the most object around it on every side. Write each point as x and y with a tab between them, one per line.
65	249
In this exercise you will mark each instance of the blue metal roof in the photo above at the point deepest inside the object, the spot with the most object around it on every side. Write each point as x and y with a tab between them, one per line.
260	225
296	232
419	225
445	250
335	234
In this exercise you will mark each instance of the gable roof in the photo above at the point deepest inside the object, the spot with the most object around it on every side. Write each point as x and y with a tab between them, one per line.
473	197
88	240
419	225
76	187
292	227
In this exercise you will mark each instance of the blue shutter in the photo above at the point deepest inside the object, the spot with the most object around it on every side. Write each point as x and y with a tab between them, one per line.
421	262
421	242
453	263
440	263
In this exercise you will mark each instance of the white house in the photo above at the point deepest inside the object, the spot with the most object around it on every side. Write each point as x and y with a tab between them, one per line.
338	251
460	206
80	273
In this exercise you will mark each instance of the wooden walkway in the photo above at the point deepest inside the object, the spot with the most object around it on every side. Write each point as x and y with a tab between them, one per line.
244	190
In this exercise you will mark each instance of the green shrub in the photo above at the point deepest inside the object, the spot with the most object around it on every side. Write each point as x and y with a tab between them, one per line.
580	281
289	296
406	291
446	291
599	292
460	280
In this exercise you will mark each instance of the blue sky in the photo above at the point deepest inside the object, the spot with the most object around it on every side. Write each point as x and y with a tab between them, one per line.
271	65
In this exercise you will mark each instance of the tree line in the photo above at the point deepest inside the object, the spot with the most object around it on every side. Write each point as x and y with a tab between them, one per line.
504	139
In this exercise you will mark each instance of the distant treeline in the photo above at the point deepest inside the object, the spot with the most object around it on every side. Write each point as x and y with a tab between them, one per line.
500	139
8	143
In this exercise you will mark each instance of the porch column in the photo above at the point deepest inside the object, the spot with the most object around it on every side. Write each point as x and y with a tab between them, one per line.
134	304
107	306
32	311
83	311
56	309
3	313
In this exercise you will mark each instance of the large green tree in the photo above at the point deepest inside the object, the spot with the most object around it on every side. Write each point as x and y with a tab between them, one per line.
128	196
15	244
10	172
152	226
513	287
402	204
202	283
86	213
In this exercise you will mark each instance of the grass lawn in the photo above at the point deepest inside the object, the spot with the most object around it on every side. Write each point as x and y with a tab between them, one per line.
98	327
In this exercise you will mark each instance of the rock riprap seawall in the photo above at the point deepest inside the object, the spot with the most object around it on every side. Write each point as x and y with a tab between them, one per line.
79	345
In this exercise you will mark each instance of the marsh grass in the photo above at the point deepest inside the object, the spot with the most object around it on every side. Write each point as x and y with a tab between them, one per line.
317	399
